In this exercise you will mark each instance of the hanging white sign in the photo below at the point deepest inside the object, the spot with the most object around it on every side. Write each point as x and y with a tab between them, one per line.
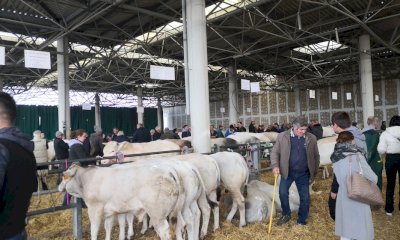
37	59
162	73
248	109
222	109
245	84
376	98
334	95
348	96
312	93
2	55
255	87
86	106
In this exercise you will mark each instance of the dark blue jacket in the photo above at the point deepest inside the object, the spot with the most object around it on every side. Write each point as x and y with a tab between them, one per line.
141	135
17	180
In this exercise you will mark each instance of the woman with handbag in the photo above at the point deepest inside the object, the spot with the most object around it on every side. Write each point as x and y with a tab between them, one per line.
389	144
353	218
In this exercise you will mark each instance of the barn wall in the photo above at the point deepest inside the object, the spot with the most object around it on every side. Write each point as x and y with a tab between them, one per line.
124	118
270	107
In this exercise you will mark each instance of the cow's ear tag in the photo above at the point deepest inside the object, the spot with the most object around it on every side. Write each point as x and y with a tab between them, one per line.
65	177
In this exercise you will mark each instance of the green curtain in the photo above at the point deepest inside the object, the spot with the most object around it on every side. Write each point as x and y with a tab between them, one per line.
123	118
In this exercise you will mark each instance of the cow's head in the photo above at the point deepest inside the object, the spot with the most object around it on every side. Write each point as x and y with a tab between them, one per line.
69	183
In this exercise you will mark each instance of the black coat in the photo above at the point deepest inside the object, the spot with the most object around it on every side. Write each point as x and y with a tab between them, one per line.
78	151
61	148
156	136
252	128
141	135
121	139
186	134
96	145
316	130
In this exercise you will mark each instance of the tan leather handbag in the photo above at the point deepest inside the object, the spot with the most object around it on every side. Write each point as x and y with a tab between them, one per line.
361	189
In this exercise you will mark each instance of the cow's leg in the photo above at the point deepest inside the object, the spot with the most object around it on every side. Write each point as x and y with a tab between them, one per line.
121	223
162	228
190	222
238	201
145	224
213	197
205	213
194	208
95	214
129	218
180	226
108	224
232	212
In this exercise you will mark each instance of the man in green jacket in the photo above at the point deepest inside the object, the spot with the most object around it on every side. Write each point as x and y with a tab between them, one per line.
295	156
372	140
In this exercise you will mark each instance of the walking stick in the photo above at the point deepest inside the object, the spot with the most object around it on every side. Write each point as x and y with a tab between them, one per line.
272	206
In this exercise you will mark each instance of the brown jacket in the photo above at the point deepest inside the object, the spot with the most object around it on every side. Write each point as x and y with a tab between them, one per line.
281	152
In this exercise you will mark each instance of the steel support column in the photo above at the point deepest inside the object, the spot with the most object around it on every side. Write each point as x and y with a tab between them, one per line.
297	101
198	75
1	84
233	95
97	114
367	99
159	114
140	109
64	114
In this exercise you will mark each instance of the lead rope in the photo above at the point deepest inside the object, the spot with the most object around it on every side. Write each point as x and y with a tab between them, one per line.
66	168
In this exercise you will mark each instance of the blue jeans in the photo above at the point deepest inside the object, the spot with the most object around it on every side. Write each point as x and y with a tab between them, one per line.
302	183
20	236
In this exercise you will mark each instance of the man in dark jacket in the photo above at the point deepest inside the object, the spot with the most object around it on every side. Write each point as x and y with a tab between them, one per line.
17	173
252	128
121	137
295	156
186	131
141	135
316	129
157	133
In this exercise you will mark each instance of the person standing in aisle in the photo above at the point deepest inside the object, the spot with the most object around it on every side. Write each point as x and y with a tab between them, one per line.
17	173
295	156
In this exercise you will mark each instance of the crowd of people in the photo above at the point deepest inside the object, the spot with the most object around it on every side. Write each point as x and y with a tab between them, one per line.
296	158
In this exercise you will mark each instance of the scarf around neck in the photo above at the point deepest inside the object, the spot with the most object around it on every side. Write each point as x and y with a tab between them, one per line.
344	149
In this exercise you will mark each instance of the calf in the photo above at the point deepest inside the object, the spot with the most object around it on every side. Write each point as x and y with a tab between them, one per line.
143	189
111	148
234	175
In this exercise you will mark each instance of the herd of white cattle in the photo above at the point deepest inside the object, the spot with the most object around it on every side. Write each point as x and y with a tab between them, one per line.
156	188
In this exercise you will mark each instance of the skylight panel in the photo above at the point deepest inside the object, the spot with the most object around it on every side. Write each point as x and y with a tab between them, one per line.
321	47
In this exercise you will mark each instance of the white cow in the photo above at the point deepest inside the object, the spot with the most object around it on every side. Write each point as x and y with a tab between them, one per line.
244	138
272	136
328	131
112	147
210	174
152	190
213	141
268	190
325	148
234	175
259	200
194	196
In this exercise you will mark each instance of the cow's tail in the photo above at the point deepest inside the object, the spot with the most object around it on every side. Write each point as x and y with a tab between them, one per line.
181	194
